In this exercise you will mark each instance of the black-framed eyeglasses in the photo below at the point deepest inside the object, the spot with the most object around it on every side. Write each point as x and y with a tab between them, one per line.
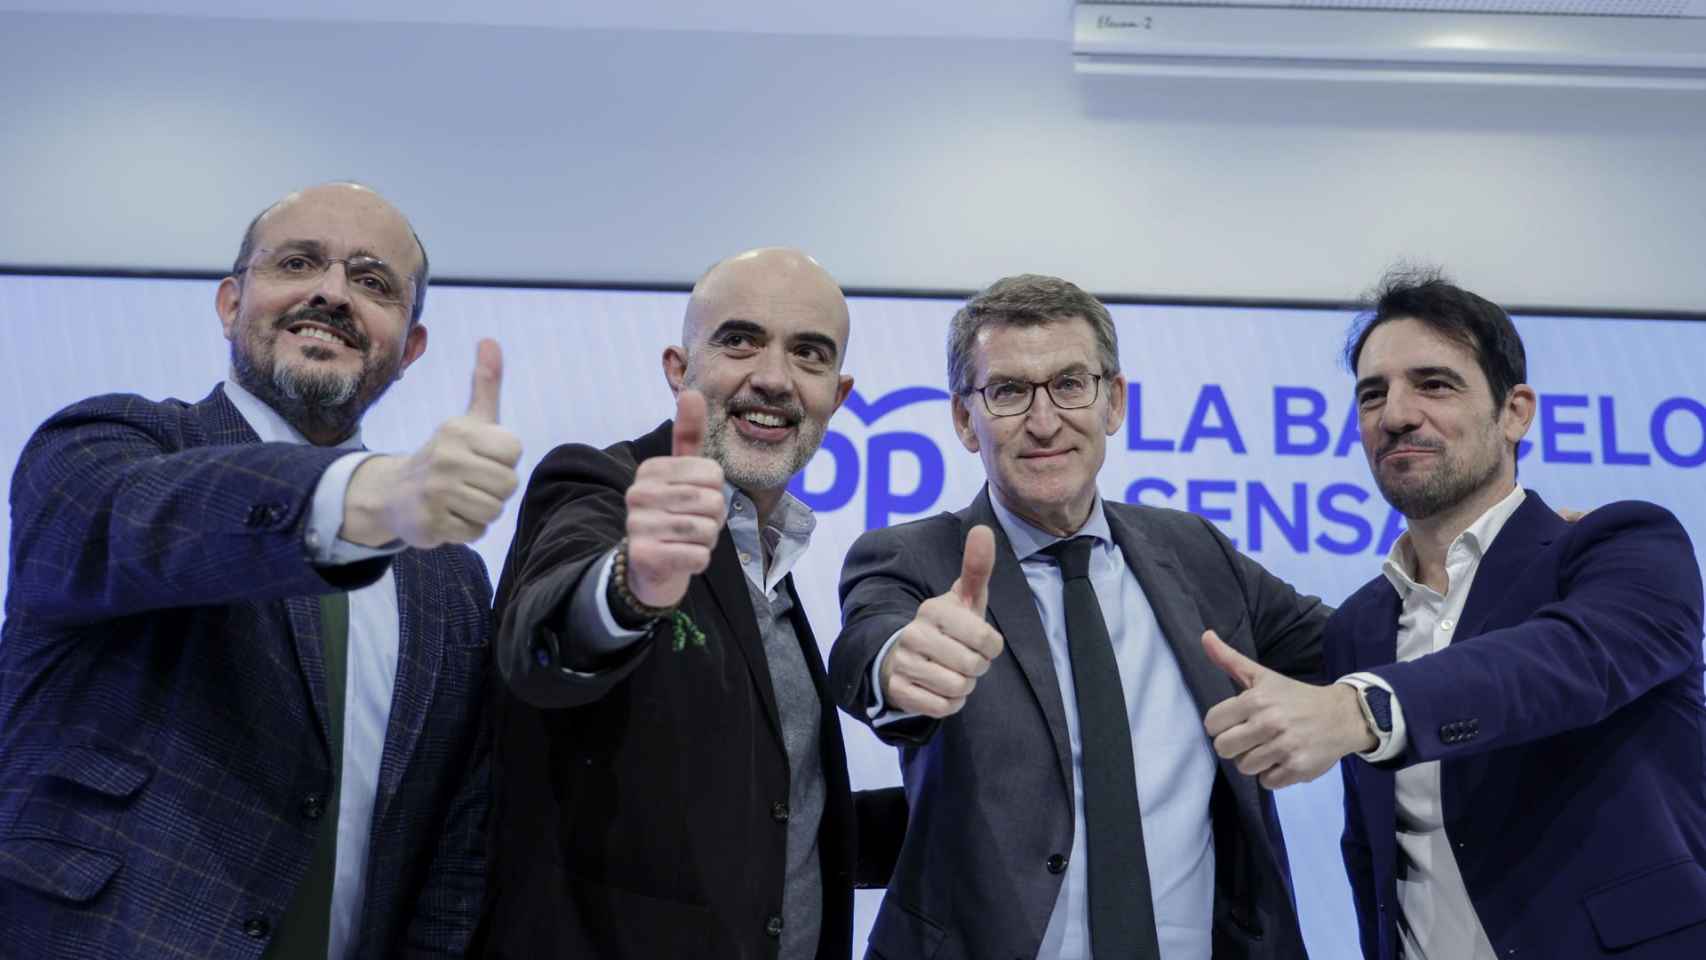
370	278
1068	391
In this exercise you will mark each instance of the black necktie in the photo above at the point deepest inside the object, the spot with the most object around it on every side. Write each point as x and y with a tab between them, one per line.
1122	917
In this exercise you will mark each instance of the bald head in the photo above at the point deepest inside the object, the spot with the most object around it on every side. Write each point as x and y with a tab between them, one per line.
355	207
766	282
763	341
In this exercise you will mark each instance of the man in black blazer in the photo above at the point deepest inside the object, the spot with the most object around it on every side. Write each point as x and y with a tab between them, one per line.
671	777
1037	658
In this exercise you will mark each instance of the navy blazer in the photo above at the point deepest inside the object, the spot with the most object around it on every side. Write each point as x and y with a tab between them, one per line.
163	705
1568	720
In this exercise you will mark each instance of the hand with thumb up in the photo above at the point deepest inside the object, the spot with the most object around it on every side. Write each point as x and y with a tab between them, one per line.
450	489
676	509
936	659
1279	730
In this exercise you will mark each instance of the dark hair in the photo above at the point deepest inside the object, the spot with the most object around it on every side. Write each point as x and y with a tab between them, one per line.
246	249
1027	300
1425	295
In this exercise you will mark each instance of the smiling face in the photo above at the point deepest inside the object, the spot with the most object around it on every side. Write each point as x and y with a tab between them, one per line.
765	333
1436	443
1041	464
318	319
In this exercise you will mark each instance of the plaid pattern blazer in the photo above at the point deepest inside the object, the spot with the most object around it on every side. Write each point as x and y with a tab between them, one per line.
163	707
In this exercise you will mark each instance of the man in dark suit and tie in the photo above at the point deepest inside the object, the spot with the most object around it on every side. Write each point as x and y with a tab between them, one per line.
1522	695
241	699
671	780
1037	658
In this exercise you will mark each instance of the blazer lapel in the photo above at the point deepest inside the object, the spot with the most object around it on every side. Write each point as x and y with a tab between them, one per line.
303	622
1014	612
223	425
1532	525
1374	634
420	654
727	584
1170	596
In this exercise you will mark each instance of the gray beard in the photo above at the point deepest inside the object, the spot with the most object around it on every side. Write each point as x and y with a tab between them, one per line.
317	405
739	467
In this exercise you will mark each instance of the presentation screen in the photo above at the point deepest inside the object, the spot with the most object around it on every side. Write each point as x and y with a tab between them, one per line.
1240	414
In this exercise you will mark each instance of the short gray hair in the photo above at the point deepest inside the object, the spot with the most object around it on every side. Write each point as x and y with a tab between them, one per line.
1027	300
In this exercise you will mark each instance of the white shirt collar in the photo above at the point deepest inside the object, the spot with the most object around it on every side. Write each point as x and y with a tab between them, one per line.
269	425
1027	539
1477	539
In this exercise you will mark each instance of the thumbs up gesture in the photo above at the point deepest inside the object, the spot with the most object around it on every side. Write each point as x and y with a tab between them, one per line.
450	489
1279	730
676	510
936	659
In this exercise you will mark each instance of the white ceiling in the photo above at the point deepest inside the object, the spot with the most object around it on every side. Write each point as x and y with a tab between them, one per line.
1026	19
1036	19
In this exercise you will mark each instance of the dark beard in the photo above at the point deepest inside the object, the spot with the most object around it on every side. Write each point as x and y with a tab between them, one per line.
323	407
1441	491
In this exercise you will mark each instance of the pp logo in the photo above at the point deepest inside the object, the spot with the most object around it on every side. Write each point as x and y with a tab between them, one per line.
882	501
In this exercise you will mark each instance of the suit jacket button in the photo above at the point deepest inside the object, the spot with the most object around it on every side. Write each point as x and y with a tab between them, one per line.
257	928
313	805
773	926
779	812
1056	863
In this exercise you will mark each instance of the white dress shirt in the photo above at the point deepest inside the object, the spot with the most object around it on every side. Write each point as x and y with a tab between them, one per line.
1175	762
371	675
1436	919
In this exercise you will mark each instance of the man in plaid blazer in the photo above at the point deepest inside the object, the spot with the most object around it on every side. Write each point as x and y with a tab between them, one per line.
241	697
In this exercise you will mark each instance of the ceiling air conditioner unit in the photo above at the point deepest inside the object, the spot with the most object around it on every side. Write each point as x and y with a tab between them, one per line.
1600	43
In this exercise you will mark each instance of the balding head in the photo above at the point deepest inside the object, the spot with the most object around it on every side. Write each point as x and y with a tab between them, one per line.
354	200
764	339
321	309
762	280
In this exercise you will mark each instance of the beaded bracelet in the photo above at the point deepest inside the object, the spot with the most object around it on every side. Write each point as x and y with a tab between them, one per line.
684	631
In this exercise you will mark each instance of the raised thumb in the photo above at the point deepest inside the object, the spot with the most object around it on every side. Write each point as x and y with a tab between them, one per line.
975	567
688	437
488	380
1243	671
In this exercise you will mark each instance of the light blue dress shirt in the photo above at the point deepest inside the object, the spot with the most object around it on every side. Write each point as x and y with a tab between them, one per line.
374	637
1175	760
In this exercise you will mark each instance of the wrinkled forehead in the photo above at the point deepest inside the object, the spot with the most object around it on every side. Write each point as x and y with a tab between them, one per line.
1027	351
783	305
341	222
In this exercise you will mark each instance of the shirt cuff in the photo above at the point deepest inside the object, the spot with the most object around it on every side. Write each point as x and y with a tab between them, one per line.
879	712
1393	742
593	631
326	518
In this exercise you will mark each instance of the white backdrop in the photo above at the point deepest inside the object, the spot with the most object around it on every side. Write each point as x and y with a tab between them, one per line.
1236	413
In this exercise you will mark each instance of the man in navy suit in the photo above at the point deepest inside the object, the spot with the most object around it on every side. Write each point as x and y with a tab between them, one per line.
241	697
1522	696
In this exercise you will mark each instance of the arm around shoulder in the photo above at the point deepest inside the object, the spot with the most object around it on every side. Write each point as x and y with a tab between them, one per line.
1626	619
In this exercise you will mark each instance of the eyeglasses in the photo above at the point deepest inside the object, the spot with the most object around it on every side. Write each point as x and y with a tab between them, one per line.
371	278
1068	391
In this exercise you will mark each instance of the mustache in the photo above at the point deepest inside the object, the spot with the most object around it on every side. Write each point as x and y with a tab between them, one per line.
330	319
1410	443
788	409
